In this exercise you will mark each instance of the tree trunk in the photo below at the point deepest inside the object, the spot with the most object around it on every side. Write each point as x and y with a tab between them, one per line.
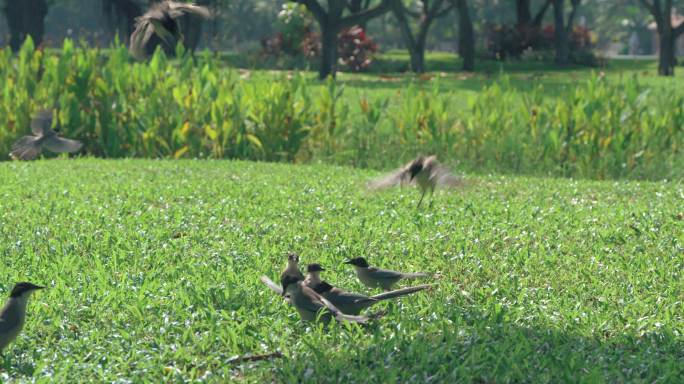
25	18
191	28
328	51
560	35
355	6
522	12
418	59
120	16
407	35
536	23
417	55
358	6
331	21
666	56
466	36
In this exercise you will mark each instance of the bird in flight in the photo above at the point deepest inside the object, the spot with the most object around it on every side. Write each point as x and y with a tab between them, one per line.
159	26
30	146
424	171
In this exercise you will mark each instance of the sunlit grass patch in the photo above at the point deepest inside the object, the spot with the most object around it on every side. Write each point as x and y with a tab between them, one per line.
153	268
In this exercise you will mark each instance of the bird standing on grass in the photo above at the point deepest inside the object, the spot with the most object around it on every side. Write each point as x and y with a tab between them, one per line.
424	171
348	302
291	272
309	304
13	314
379	278
29	147
159	26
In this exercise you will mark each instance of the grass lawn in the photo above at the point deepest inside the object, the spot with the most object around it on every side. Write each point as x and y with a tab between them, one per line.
153	268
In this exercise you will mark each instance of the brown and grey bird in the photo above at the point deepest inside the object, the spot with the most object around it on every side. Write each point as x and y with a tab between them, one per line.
159	26
311	306
29	147
424	171
13	314
348	302
291	272
379	278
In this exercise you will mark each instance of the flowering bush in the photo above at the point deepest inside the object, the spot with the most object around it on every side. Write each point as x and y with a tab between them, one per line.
355	49
295	22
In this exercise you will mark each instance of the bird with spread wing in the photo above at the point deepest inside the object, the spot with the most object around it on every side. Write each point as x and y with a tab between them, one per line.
159	26
30	146
425	171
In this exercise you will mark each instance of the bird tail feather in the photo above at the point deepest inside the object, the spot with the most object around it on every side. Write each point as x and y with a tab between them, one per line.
351	318
270	284
341	316
400	292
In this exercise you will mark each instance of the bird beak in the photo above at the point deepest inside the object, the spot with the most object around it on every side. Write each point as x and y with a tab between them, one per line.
347	262
39	287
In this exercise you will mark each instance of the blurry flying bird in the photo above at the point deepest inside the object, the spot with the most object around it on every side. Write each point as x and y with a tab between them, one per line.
424	171
29	147
379	278
348	302
159	25
13	314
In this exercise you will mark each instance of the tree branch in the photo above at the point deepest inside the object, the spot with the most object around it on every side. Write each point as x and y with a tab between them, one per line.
414	14
573	11
444	11
651	9
432	12
365	16
398	11
539	17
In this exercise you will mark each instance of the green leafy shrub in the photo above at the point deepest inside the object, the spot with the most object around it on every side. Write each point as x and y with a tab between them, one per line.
193	108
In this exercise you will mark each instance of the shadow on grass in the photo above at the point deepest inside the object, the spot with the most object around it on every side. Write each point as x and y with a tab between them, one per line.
475	347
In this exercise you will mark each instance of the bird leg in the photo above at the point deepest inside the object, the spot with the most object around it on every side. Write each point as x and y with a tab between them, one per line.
432	195
421	198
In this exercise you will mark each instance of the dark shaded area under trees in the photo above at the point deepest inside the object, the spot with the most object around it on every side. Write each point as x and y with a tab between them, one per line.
411	24
668	34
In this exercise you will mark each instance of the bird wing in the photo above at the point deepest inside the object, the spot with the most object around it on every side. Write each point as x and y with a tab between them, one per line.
382	274
392	179
163	33
321	287
339	315
140	36
5	326
350	297
60	144
41	122
26	148
315	302
273	286
152	22
400	292
178	9
444	178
